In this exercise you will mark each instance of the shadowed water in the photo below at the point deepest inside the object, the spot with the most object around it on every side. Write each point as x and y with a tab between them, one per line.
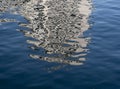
19	71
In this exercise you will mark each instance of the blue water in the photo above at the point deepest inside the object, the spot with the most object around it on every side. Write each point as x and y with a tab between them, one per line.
101	70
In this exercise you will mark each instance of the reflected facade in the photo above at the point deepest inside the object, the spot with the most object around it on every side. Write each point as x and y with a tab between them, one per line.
56	27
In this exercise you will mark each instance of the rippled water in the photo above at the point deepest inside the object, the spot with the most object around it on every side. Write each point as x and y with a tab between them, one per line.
100	70
52	24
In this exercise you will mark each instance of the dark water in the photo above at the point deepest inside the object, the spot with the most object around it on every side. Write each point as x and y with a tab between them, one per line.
100	71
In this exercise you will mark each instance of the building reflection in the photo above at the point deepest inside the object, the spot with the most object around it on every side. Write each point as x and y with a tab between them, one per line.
57	26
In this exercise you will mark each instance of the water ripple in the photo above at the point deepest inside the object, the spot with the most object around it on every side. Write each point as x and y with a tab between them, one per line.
55	24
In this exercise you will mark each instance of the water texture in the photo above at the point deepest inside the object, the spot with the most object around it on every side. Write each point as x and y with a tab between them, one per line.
100	68
56	27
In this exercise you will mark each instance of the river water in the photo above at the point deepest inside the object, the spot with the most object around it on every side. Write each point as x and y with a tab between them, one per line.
100	55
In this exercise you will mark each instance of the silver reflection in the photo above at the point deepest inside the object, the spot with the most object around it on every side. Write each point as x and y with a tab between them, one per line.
57	26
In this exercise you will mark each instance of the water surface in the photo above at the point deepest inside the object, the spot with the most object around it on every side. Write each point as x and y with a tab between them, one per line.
101	69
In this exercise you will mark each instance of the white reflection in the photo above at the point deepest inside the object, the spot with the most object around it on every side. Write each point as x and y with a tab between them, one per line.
57	26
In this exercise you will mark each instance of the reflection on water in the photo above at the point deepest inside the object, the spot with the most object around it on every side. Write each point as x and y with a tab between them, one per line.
10	5
57	27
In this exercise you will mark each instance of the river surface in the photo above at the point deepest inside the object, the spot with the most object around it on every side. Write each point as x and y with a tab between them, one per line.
100	68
